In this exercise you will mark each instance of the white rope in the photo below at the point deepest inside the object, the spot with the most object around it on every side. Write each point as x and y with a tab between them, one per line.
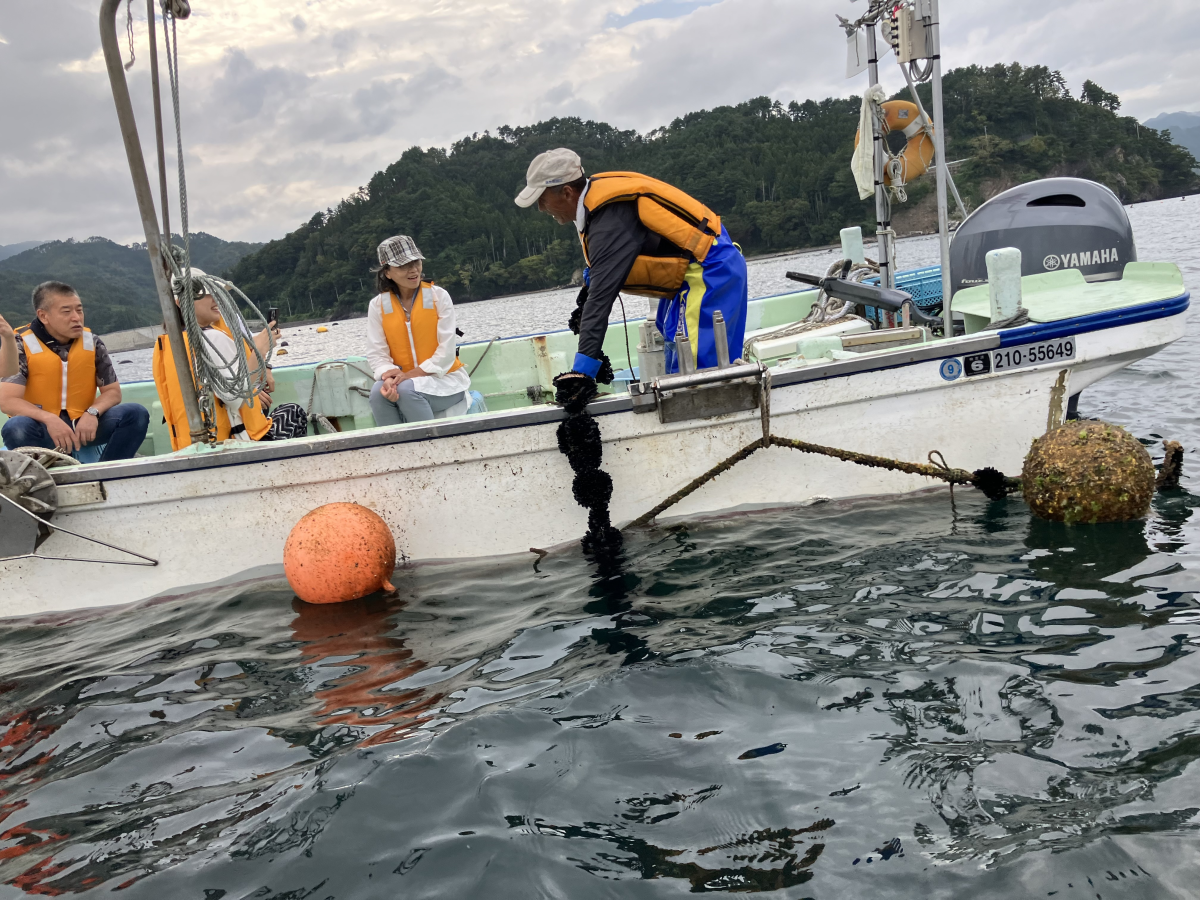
820	315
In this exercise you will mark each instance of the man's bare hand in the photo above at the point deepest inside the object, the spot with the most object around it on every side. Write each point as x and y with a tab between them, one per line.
64	437
85	428
6	330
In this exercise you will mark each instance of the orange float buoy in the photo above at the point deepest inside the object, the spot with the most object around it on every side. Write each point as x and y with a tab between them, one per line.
916	157
338	552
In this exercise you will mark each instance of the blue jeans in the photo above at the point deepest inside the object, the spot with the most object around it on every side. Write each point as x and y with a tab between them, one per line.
122	428
412	406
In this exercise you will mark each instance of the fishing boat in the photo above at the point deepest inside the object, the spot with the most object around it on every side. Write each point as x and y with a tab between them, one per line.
873	364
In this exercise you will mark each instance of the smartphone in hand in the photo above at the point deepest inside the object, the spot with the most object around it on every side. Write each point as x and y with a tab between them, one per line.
272	315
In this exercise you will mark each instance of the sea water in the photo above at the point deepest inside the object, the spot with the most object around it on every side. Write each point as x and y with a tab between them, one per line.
926	697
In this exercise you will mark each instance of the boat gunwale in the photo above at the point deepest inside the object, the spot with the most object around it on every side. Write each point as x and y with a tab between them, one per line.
900	357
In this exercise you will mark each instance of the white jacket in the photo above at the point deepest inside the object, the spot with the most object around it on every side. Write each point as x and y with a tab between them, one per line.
440	382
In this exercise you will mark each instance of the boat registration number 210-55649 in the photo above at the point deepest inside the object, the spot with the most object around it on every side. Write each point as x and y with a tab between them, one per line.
1019	357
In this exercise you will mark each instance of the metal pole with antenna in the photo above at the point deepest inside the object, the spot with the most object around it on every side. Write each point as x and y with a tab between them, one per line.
939	145
158	126
883	216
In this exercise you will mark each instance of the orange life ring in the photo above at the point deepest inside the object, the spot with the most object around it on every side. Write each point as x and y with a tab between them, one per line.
916	157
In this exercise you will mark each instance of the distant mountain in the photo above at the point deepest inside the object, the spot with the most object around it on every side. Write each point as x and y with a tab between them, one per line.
1184	128
7	250
114	280
1174	120
777	174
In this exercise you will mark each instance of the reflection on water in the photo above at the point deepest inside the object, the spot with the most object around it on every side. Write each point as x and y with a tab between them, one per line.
902	699
855	700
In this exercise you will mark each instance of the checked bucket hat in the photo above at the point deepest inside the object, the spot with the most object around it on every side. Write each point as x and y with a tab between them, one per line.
398	251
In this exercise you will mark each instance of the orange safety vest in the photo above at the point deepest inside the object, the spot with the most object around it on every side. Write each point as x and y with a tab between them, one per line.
175	414
54	386
668	212
411	342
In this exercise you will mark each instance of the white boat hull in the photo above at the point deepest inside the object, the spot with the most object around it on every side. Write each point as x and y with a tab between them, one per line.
508	489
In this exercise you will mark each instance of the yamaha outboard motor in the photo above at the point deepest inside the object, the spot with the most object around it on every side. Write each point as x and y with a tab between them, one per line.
1056	223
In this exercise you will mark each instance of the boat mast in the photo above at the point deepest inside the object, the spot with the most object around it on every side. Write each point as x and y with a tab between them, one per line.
145	201
934	36
884	235
919	37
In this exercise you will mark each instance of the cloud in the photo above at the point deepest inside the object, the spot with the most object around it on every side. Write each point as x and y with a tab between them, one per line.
655	9
245	90
289	108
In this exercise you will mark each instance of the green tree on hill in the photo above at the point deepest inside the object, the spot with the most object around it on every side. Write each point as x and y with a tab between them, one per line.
778	175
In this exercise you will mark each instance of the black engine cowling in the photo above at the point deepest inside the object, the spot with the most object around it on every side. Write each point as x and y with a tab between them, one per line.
1056	223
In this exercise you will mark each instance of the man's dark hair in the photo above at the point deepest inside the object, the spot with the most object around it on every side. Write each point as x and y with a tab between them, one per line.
579	184
42	293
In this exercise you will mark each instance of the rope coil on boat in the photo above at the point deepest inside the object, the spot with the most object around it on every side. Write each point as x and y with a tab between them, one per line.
211	375
820	314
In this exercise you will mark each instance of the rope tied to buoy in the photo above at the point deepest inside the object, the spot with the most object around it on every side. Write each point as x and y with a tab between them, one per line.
995	484
992	482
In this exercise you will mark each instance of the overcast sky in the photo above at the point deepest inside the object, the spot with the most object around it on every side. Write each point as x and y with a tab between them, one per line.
288	107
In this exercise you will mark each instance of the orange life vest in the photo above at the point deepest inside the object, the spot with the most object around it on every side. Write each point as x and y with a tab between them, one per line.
412	342
169	395
668	212
55	386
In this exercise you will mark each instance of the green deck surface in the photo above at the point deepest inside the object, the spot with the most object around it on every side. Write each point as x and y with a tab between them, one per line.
1065	294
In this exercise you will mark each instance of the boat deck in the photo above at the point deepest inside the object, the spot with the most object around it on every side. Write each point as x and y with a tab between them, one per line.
516	373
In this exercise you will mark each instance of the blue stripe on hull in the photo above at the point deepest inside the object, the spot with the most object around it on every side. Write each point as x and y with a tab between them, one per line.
1114	318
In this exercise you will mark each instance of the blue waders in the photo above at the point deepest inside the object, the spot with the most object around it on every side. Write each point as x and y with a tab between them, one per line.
717	283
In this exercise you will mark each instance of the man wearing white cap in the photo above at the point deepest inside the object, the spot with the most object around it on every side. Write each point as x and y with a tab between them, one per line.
642	236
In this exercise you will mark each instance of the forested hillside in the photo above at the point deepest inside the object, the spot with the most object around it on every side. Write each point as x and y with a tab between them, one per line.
115	281
779	176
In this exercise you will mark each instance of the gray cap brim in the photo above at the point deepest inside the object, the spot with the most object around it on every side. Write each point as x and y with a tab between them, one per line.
529	196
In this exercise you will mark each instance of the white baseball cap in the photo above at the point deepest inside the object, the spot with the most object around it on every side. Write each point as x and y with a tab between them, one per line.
550	169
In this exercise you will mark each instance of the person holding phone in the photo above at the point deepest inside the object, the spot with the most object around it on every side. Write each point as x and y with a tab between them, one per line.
235	420
9	357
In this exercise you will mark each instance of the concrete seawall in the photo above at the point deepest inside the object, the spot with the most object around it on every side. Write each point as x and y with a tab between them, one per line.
134	339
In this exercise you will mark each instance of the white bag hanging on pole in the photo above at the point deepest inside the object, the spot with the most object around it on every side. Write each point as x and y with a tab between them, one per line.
862	164
856	53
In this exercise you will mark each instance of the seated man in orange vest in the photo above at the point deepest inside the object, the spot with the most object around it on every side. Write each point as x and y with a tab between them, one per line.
235	420
65	395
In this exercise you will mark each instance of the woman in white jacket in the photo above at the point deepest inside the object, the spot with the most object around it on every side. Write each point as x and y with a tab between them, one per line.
411	340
